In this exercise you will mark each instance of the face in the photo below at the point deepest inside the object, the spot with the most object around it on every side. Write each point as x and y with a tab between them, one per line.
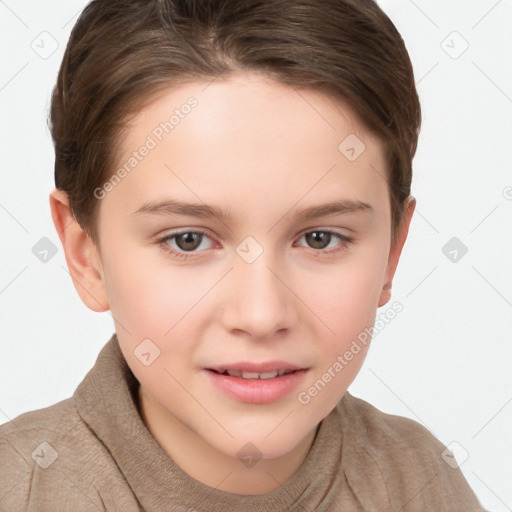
248	236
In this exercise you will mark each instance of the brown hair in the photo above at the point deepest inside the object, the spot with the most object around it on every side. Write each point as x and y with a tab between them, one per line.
121	52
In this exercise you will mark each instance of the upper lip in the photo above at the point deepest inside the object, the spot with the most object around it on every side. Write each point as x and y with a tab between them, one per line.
265	366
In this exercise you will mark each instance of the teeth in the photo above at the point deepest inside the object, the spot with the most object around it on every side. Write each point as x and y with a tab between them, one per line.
256	375
269	375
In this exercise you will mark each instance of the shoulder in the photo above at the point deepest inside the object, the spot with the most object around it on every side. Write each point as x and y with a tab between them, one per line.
29	438
50	457
51	419
414	468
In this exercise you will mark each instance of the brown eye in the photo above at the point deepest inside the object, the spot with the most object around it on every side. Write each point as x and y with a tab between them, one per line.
318	239
186	244
188	241
325	242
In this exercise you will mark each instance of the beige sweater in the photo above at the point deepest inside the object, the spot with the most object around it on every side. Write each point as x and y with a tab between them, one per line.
92	452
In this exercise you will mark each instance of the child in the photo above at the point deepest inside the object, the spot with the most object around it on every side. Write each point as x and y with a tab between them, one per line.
233	183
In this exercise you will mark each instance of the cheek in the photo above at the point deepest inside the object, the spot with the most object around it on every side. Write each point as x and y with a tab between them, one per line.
345	300
348	314
151	300
148	295
346	296
346	305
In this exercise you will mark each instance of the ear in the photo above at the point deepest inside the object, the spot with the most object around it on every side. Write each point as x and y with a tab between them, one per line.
82	255
396	250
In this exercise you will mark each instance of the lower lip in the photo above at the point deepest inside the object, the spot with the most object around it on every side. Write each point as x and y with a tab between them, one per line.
257	391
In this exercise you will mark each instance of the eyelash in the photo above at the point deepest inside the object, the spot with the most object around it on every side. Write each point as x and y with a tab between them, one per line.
186	255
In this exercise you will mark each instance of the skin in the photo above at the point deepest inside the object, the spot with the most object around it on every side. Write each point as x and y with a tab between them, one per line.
259	150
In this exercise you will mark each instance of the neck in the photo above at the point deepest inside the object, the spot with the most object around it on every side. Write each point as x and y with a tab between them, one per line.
211	467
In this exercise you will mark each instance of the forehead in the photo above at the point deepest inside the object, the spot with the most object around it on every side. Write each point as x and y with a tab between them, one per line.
248	140
252	101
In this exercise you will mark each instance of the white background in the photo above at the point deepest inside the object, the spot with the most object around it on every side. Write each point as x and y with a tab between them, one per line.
444	361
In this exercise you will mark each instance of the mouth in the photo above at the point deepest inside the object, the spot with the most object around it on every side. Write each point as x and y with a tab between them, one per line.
256	383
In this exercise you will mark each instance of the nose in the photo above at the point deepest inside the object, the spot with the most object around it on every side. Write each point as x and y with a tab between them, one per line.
258	302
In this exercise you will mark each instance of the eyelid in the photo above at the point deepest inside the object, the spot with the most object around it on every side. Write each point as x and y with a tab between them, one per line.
334	231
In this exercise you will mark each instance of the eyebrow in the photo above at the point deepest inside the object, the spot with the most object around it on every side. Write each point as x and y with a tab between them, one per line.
172	206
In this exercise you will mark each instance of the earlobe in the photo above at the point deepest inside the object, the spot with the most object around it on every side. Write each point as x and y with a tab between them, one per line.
385	295
396	250
82	255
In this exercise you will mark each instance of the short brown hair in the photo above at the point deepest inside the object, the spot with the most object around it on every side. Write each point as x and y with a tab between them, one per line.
122	51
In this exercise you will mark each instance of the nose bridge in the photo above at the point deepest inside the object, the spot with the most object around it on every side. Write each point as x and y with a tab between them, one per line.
260	303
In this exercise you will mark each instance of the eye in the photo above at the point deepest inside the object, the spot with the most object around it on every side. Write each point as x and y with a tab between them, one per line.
323	239
184	244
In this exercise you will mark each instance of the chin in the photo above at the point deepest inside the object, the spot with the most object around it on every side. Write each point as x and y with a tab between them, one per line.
258	444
